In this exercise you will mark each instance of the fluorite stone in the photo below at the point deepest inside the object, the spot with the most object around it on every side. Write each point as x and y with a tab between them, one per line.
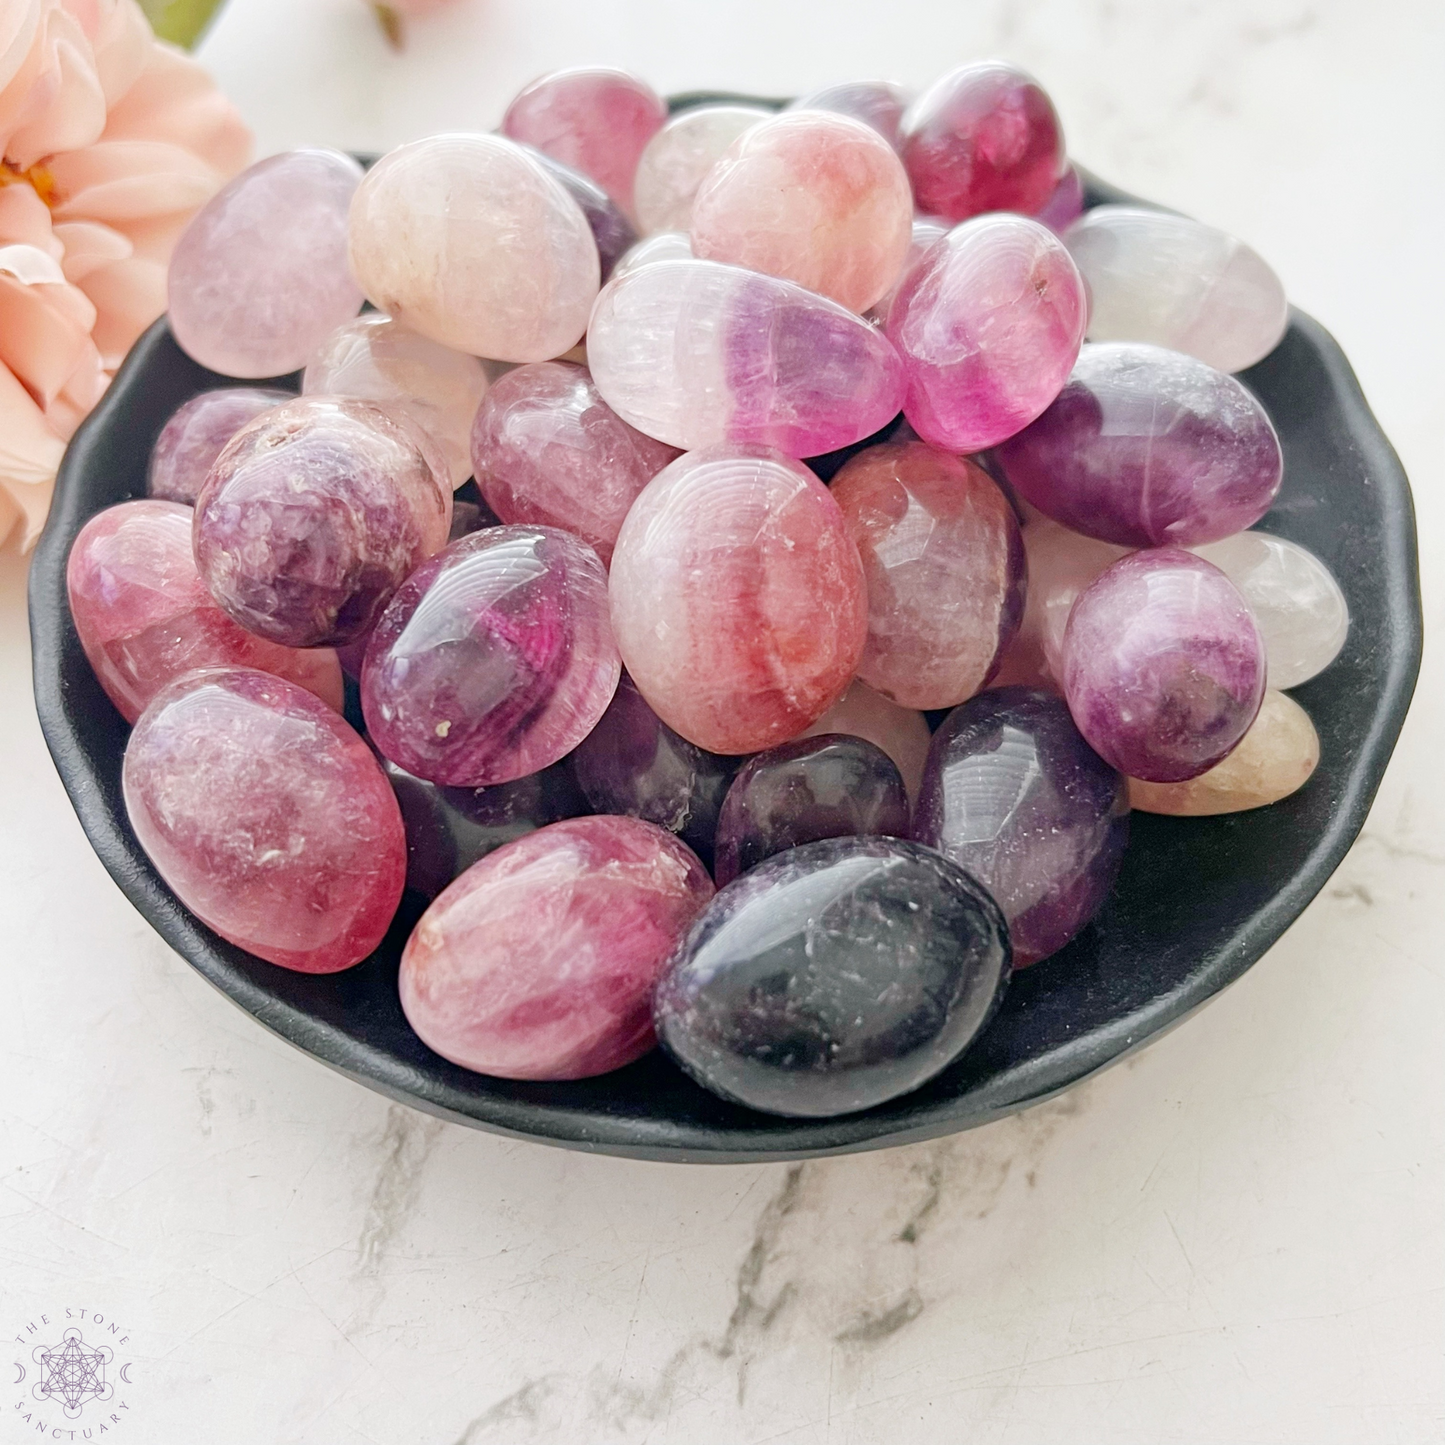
259	278
313	516
597	121
494	660
834	977
1016	797
375	359
469	240
901	732
1301	612
267	816
695	353
1178	283
633	763
197	434
944	560
548	450
1066	204
1148	448
611	229
985	137
539	962
878	103
833	786
144	616
989	324
811	196
1275	758
1163	665
926	230
738	598
664	246
679	157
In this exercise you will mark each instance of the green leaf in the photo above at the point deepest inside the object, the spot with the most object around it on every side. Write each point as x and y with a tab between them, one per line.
180	21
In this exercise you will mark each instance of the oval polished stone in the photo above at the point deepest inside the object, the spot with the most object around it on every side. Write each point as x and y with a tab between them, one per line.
259	278
1016	797
268	817
877	103
901	732
1163	665
945	566
313	516
664	246
1148	448
806	790
926	230
494	659
548	450
144	616
375	359
678	158
1178	283
985	137
834	977
468	240
738	598
197	434
989	324
633	763
1275	758
696	353
539	962
1301	612
811	196
1066	204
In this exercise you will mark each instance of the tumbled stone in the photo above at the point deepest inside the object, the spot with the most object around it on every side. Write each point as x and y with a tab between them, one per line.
1178	283
878	103
901	732
1066	204
989	324
197	434
696	353
834	977
678	158
1275	758
1163	665
259	278
926	230
985	137
267	816
1016	797
944	562
611	229
548	450
468	240
1148	448
494	659
738	598
1302	614
313	517
664	246
539	962
811	196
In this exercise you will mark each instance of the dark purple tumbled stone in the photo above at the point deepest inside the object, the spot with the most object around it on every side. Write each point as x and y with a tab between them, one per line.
830	786
633	763
1163	665
1147	448
197	434
834	977
611	229
1013	794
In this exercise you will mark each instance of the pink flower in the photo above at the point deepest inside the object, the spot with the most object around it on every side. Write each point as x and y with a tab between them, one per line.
110	143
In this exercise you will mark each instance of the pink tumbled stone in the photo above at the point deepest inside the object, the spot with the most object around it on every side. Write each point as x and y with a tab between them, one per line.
268	817
144	616
738	600
878	103
1066	204
547	449
259	278
814	197
989	325
596	121
196	435
539	961
901	732
1061	565
926	230
678	158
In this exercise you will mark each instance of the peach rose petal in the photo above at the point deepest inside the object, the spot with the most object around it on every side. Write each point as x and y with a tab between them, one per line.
128	296
89	245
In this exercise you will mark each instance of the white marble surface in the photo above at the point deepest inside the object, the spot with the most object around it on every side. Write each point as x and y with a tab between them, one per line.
1239	1237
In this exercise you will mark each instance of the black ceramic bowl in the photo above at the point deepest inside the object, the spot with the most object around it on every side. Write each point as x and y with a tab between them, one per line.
1198	902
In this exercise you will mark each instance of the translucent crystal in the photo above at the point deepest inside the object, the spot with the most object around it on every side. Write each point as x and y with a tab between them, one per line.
611	229
926	230
1066	204
901	732
879	103
664	246
197	434
678	158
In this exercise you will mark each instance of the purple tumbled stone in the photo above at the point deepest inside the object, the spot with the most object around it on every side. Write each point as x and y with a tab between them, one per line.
197	434
831	786
313	516
877	103
494	660
1066	204
1014	795
1163	665
611	229
1148	448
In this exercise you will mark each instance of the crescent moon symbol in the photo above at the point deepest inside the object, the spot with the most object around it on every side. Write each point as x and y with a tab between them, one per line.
123	1374
20	1378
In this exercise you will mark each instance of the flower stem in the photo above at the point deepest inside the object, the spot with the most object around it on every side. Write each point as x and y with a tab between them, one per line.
182	22
390	23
